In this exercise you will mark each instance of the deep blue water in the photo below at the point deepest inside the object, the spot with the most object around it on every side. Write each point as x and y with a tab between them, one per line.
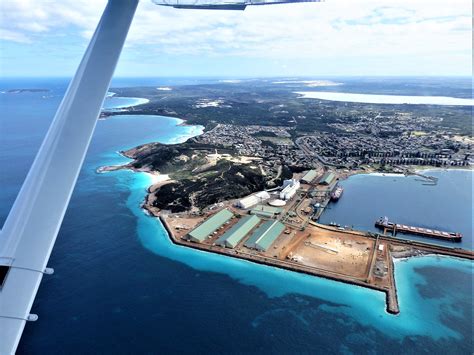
120	286
446	206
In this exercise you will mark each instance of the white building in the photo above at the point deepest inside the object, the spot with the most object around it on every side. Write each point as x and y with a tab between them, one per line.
252	200
289	189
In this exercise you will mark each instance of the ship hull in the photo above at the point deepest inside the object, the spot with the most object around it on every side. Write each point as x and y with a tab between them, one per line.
336	195
423	232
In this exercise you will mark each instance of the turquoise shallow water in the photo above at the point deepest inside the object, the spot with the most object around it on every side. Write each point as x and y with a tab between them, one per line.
418	316
120	286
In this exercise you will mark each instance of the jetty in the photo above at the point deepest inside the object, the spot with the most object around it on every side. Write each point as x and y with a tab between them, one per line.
431	178
394	228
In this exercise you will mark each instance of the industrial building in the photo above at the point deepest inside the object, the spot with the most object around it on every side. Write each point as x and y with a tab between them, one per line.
265	235
209	226
289	189
309	177
327	178
277	203
252	200
237	232
266	211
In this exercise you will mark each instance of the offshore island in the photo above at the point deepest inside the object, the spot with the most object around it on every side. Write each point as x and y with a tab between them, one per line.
254	185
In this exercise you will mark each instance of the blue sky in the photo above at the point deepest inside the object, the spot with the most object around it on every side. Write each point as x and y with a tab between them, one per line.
337	37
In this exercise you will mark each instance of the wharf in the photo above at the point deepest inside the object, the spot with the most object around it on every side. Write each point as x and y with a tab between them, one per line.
426	248
375	270
366	281
386	225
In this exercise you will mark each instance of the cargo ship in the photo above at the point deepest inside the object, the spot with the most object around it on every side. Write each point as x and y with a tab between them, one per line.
386	225
337	193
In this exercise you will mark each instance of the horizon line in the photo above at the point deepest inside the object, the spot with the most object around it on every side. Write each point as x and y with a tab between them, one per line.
230	77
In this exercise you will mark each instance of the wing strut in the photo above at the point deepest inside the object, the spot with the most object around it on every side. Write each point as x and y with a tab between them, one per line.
30	230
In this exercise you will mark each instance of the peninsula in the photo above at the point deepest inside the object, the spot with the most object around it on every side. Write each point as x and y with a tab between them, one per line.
254	185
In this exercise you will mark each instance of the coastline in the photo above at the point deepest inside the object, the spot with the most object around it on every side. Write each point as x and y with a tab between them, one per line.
138	101
342	174
158	180
407	250
399	250
180	122
391	302
432	168
184	288
150	198
414	169
148	210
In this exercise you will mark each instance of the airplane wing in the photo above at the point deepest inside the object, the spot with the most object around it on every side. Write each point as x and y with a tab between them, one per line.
30	230
222	4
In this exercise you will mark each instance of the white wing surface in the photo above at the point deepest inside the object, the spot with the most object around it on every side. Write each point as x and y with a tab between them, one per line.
30	230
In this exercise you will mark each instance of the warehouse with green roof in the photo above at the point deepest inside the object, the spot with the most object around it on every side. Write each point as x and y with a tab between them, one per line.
265	235
327	178
237	232
309	176
209	226
266	211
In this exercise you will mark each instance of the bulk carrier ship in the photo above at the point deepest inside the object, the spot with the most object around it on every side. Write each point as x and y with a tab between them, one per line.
394	228
337	193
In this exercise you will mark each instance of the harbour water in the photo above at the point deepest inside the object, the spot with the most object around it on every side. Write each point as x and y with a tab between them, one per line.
121	286
408	200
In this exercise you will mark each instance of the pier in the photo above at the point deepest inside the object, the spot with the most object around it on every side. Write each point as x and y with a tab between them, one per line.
386	225
431	180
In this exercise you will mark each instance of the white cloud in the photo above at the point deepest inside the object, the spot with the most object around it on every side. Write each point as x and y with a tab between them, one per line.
13	36
29	17
305	30
330	29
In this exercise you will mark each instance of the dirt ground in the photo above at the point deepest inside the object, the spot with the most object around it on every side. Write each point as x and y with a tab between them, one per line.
315	247
183	225
284	244
338	252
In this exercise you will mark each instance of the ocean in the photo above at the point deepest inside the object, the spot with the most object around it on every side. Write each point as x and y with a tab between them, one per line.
120	286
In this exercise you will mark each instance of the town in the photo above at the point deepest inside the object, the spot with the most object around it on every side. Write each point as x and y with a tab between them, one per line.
349	151
255	183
